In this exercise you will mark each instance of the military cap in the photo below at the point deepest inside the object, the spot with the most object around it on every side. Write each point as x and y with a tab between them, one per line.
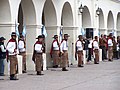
2	38
40	36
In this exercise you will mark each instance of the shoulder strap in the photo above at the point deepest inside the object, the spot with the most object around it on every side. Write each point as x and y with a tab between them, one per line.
51	47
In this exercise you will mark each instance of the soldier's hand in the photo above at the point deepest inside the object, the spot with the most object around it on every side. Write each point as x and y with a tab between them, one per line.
51	56
15	51
61	53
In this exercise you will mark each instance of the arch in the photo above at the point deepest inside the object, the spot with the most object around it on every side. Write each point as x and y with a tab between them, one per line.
49	14
67	15
29	14
110	21
86	18
118	21
5	14
101	20
20	18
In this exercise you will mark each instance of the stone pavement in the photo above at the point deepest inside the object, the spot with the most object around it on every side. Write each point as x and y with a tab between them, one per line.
105	76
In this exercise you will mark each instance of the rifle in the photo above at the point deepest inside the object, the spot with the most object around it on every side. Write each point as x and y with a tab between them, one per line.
76	52
75	55
7	56
33	56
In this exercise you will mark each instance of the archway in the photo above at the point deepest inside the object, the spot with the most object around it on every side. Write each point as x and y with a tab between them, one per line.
101	22
27	17
110	22
5	18
118	24
67	15
5	15
49	20
86	18
67	21
20	19
86	22
49	13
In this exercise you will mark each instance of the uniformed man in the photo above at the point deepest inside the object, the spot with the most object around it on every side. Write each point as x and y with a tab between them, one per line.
96	50
102	43
114	47
110	47
12	56
79	50
90	49
64	52
2	56
37	54
55	51
22	52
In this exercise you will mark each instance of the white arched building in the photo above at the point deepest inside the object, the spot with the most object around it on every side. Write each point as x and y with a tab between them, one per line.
55	14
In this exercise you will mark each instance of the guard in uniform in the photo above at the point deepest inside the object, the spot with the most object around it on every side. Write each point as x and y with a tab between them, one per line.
37	54
12	52
79	50
102	42
2	56
22	52
55	51
96	50
64	52
110	47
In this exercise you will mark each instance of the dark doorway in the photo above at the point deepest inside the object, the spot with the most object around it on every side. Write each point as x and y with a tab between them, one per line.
89	32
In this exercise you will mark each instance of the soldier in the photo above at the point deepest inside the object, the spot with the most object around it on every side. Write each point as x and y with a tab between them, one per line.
55	51
22	52
12	56
64	52
114	47
2	56
37	54
89	49
102	42
96	50
118	47
79	50
44	49
106	46
110	47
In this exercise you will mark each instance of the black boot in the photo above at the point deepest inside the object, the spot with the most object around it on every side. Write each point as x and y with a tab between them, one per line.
110	60
39	73
64	69
95	61
41	68
13	77
80	66
24	71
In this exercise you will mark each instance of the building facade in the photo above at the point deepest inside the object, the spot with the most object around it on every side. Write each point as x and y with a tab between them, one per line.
72	15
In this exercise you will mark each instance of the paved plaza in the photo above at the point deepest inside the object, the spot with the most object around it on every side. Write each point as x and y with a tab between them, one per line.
105	76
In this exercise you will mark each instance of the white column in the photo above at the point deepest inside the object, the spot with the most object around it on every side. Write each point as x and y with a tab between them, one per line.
51	31
58	32
6	29
105	32
38	30
32	33
115	32
79	24
96	31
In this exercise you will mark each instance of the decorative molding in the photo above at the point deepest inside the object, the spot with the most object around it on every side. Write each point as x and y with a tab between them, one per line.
117	1
6	24
64	27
